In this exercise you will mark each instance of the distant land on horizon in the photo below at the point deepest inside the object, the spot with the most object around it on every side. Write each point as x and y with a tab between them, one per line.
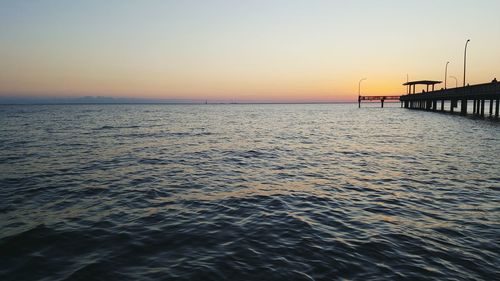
119	100
86	100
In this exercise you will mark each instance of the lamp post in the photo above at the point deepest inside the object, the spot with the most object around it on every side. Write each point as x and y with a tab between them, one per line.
359	86
445	73
456	80
359	92
465	58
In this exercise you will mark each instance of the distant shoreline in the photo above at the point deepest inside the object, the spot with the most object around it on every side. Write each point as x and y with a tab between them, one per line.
172	103
88	100
48	100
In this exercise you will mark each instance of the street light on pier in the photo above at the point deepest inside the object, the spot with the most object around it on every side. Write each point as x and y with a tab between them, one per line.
456	80
359	92
465	58
445	73
359	85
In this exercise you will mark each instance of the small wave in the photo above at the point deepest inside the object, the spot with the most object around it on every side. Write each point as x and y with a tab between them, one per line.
109	127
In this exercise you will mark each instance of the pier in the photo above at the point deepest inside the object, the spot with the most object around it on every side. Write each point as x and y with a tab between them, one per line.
458	98
376	98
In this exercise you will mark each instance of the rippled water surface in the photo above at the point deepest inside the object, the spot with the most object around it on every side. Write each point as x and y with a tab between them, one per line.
247	192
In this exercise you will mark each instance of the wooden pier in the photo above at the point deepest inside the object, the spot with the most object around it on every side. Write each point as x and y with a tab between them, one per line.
458	98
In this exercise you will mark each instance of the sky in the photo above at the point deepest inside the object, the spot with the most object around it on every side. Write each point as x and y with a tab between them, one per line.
221	50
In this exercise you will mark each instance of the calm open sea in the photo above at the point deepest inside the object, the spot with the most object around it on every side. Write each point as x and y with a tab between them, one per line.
247	192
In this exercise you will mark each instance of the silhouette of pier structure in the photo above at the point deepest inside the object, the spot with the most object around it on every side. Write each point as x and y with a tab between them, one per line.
458	98
375	98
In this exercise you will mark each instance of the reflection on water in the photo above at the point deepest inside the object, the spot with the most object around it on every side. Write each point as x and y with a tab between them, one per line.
224	192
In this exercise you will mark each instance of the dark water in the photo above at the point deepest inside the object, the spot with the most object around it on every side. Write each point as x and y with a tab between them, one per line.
247	192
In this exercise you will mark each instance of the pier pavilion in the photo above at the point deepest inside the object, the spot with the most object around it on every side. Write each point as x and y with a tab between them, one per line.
420	82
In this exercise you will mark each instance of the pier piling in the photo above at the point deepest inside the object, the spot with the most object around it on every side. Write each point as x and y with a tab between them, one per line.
463	105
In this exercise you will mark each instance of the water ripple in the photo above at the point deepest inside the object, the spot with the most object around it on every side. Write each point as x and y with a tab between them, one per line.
246	192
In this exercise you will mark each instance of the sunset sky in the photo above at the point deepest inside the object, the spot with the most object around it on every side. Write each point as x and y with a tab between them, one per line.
241	50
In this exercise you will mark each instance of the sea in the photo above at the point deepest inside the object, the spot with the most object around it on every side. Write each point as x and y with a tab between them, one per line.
247	192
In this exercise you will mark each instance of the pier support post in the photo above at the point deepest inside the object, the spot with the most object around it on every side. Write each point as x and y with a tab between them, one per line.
491	107
496	108
452	103
474	107
482	108
442	105
382	103
359	101
434	105
463	106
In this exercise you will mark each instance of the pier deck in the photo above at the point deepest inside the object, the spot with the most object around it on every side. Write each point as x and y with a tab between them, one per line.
477	93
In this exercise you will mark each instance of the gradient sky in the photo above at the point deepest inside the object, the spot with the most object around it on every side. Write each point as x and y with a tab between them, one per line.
241	50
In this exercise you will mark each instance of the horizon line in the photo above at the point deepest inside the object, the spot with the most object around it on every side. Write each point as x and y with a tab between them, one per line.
183	103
